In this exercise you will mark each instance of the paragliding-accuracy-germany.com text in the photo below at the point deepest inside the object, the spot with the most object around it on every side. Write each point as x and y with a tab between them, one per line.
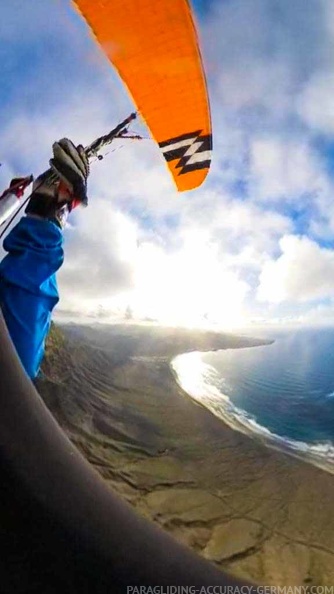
230	589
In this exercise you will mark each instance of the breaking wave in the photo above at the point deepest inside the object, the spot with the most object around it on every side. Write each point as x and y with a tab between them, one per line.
204	384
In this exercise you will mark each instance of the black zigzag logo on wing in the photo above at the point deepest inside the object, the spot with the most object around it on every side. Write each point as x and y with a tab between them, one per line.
192	150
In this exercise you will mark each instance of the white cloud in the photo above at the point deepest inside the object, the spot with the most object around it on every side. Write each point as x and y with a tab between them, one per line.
284	169
303	272
100	251
235	226
315	98
261	53
315	104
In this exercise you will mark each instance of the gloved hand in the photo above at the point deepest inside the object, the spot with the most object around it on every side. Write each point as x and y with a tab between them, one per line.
71	165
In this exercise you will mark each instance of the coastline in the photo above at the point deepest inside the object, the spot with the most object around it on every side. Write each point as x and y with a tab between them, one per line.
256	512
206	394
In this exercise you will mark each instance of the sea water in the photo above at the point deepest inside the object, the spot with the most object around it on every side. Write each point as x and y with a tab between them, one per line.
281	393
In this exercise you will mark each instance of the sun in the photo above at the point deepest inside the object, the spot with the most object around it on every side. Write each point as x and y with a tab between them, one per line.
190	287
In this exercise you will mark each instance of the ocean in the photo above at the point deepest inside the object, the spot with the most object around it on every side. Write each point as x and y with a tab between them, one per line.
282	394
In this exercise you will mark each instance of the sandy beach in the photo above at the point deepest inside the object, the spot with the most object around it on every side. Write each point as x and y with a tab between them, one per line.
259	514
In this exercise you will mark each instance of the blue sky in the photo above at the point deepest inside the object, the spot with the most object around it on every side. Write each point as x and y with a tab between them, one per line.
255	243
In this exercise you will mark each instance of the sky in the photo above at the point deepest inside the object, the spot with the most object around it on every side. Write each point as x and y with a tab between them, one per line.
255	243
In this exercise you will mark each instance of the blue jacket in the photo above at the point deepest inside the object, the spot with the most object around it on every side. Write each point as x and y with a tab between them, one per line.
28	286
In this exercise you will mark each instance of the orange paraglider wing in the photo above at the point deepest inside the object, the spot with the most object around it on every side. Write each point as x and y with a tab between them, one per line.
154	47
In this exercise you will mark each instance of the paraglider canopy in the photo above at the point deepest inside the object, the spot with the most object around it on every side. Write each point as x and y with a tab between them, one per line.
155	49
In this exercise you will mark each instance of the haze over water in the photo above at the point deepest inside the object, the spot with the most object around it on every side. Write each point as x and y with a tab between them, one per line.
283	392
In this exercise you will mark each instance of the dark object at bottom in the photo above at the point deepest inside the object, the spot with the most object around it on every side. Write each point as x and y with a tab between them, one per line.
62	530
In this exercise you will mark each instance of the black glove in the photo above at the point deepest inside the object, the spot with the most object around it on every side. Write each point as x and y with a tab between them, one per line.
71	165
